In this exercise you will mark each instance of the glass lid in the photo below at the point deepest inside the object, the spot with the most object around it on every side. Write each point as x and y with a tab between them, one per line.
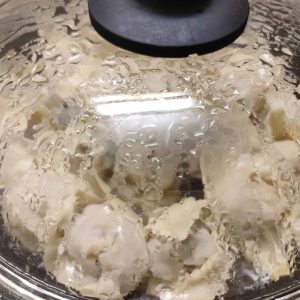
130	177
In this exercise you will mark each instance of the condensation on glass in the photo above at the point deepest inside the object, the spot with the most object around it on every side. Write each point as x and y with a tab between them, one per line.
147	178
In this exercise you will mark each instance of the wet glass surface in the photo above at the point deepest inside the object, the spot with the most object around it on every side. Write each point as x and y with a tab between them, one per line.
43	45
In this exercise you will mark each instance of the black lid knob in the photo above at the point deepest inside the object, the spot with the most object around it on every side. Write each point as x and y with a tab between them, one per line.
169	28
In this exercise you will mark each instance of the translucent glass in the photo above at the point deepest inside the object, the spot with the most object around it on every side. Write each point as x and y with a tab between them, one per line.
150	128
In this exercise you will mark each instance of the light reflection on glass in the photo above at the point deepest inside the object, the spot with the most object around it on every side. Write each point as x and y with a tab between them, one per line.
147	103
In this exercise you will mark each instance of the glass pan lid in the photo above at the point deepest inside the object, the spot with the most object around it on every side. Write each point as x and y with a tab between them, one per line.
197	157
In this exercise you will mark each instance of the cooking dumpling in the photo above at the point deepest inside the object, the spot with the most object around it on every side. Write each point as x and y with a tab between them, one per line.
106	250
36	212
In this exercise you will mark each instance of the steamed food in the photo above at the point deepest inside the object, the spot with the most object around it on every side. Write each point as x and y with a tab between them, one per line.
129	173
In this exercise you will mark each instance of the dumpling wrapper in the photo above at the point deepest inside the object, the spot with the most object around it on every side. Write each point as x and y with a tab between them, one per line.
109	249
